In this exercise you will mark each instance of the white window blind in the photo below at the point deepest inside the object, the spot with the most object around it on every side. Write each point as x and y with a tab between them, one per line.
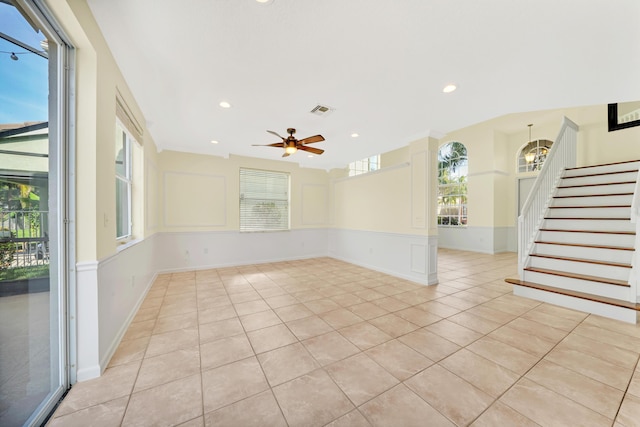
264	200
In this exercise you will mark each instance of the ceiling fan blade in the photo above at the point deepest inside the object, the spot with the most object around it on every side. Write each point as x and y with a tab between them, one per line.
275	144
276	134
311	149
312	139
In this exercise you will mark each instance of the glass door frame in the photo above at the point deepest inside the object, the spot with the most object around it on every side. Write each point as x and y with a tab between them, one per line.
61	202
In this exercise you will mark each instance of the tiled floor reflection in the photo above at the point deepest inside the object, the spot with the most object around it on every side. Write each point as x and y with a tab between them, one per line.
320	341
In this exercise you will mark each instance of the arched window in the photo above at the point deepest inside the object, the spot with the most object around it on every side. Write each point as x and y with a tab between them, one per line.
453	169
533	154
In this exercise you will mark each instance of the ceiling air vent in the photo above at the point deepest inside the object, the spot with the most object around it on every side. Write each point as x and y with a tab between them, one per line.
321	110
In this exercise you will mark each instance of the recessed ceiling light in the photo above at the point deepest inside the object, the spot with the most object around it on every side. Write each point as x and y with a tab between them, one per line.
213	141
354	135
449	88
265	1
225	104
310	156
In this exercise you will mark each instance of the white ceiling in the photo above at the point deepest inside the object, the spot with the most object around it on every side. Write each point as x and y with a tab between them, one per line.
382	64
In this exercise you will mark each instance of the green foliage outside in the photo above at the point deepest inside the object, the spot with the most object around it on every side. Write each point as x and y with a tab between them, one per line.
7	252
33	272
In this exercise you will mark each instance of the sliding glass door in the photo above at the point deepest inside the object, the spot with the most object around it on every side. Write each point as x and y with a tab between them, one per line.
33	254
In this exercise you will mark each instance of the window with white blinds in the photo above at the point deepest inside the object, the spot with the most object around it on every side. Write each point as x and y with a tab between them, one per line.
264	200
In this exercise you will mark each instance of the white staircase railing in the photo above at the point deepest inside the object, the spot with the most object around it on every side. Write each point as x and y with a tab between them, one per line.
635	218
561	155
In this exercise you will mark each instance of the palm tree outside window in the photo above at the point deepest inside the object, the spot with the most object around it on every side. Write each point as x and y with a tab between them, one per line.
453	169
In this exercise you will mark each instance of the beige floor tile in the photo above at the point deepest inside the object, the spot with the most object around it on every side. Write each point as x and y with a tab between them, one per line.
174	323
214	301
550	320
500	414
231	383
340	318
244	297
612	354
390	304
145	314
293	312
129	350
488	376
548	408
329	348
393	325
216	314
251	307
352	419
605	336
473	322
321	305
398	359
514	359
521	340
623	328
285	363
225	350
360	378
417	316
449	394
431	345
308	295
270	338
592	367
347	299
367	310
634	385
167	404
281	301
388	290
312	400
114	383
364	335
455	302
139	330
263	319
590	393
108	414
545	332
369	295
168	367
454	332
566	313
309	327
438	308
401	407
491	314
220	329
629	410
272	291
260	410
171	341
189	306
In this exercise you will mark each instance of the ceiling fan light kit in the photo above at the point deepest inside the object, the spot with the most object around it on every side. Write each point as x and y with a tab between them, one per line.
292	145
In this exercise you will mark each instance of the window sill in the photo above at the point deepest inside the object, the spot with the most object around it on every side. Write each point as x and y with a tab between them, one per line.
452	226
127	244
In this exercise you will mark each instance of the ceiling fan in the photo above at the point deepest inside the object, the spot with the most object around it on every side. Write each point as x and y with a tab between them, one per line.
291	144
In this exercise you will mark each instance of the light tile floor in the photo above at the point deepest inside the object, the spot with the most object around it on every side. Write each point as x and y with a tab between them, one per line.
320	341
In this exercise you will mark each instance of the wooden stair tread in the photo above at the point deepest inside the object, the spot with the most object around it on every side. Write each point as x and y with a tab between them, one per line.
603	164
626	233
589	207
579	276
594	195
581	245
600	174
596	185
584	260
582	295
